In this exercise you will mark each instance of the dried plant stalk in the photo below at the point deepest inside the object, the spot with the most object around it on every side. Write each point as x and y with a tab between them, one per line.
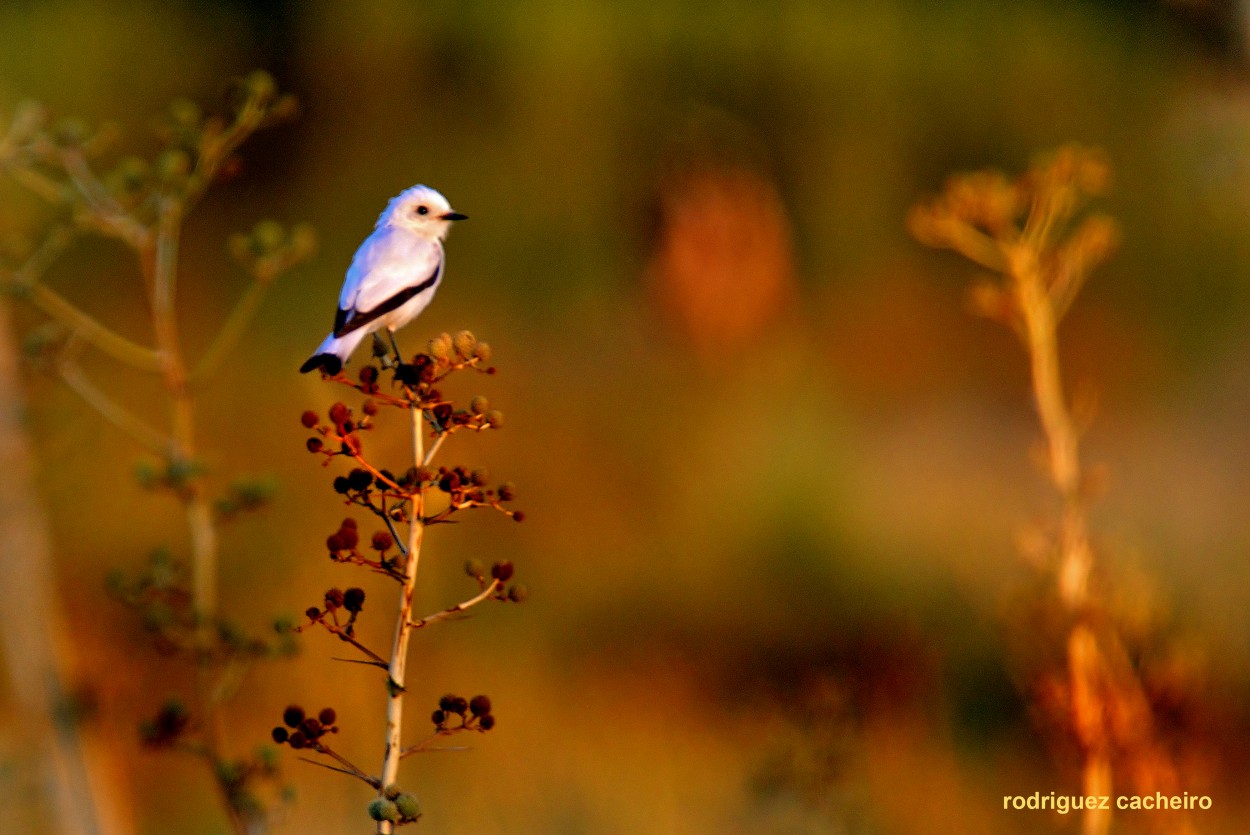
1023	231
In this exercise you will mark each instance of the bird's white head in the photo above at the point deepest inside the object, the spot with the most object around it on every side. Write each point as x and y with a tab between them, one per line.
422	210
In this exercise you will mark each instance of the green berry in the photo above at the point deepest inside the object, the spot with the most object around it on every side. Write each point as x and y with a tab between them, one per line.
408	805
381	809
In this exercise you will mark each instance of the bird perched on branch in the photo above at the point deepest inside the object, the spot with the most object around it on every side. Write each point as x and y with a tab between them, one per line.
393	275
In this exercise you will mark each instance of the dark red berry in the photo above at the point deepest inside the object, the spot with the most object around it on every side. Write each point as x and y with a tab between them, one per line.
502	571
293	715
382	540
334	598
354	600
339	413
309	419
479	705
327	716
314	444
280	735
486	722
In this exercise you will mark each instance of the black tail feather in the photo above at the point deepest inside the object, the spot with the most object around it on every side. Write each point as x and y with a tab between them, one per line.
329	363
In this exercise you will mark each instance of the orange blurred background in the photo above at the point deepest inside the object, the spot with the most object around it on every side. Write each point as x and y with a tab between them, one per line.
774	473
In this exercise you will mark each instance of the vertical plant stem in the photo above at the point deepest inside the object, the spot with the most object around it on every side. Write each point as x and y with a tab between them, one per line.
161	267
1063	448
78	774
403	624
1085	662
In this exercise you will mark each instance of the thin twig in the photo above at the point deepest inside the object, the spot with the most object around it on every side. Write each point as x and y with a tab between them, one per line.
485	594
231	330
353	772
112	411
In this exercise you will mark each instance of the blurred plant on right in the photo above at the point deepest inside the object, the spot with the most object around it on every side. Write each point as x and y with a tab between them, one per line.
1036	237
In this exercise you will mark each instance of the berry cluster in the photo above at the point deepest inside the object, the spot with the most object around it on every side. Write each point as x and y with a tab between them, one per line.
396	806
342	545
474	714
501	572
300	730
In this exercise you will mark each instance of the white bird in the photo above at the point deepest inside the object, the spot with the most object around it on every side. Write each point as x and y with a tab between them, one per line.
393	275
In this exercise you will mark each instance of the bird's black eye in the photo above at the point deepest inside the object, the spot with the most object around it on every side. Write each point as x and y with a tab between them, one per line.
423	210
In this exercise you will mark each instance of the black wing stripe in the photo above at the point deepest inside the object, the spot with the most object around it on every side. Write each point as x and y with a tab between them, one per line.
344	326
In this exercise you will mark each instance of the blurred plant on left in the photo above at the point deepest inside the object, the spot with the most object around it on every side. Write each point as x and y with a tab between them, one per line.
93	190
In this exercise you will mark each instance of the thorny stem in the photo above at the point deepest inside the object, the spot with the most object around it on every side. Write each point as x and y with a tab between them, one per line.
403	627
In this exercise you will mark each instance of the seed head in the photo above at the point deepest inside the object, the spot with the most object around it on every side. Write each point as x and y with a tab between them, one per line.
464	342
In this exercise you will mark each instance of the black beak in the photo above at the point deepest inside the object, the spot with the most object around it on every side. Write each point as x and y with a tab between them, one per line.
455	216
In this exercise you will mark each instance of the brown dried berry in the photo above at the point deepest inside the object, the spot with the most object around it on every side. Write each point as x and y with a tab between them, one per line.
382	540
354	599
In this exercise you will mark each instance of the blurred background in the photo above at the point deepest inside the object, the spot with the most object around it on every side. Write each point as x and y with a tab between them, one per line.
774	472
